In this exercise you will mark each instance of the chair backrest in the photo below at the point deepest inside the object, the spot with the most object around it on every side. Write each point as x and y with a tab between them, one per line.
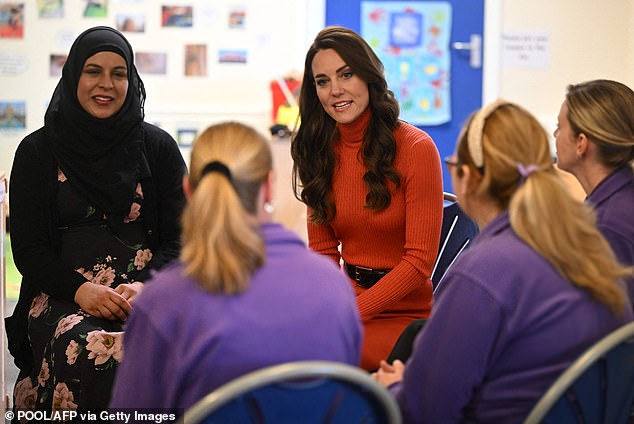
458	230
298	392
598	388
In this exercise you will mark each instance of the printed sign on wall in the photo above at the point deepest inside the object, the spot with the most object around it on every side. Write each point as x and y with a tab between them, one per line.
526	49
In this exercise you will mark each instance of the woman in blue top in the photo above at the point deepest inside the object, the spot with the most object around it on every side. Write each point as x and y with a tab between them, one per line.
539	285
595	142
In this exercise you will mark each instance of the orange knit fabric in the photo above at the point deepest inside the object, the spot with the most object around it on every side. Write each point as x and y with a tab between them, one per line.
403	237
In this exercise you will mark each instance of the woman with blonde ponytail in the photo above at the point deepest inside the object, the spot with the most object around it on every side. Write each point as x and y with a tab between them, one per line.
246	293
539	285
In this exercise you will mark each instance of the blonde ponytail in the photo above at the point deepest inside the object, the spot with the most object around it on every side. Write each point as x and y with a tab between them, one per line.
222	244
563	230
518	173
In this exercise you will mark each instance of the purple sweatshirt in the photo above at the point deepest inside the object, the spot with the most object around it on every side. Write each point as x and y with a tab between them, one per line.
613	199
505	327
182	342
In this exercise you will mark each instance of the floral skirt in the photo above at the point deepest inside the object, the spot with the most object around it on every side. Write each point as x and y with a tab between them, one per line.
76	356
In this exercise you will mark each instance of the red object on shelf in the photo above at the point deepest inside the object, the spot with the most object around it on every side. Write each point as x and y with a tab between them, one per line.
278	94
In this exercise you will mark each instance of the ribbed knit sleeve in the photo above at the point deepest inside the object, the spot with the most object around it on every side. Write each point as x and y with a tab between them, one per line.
418	162
321	238
403	237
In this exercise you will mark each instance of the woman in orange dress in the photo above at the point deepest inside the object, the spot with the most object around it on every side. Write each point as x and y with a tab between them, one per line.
372	184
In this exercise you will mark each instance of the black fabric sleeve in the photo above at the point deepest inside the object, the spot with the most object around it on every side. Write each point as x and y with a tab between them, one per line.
32	188
165	198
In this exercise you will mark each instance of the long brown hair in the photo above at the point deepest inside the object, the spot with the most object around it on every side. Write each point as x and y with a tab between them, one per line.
311	147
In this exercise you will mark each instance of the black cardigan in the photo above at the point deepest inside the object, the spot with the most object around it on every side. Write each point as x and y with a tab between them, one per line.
35	240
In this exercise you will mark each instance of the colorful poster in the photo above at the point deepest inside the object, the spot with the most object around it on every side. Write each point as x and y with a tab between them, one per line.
412	40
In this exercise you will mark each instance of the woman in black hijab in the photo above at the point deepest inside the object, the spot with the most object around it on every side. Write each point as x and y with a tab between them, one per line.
96	197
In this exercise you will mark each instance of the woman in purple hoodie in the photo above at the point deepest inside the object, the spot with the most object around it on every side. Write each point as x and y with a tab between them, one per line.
595	143
538	286
246	293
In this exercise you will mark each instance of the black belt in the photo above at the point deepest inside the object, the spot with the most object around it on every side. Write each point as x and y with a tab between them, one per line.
365	277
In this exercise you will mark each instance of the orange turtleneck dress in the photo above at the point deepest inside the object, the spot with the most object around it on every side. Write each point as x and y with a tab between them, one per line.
403	237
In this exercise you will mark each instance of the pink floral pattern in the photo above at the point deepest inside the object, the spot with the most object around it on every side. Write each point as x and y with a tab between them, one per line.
72	351
81	351
44	373
67	323
135	207
135	212
142	258
105	274
105	277
60	176
25	394
63	398
103	345
38	305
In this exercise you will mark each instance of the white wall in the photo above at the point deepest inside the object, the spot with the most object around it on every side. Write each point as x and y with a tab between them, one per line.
630	48
588	39
276	35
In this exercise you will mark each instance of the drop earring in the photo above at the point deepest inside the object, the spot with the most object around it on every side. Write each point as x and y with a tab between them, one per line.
268	207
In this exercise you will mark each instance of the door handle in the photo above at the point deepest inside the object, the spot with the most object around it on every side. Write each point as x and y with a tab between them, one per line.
475	49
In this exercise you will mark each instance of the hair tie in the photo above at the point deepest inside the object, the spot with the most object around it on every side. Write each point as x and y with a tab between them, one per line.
216	166
476	128
526	171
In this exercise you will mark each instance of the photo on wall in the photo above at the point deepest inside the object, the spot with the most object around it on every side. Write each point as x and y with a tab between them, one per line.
131	22
96	9
177	16
47	9
185	136
11	20
151	63
56	64
12	115
237	17
196	60
232	56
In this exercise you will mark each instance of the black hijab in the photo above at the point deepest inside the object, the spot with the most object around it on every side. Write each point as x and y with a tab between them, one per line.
102	158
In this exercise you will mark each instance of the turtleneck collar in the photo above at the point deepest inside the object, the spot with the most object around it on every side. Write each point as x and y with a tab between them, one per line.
353	132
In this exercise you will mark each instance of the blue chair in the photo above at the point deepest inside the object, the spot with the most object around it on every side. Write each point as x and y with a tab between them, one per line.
598	388
298	392
457	232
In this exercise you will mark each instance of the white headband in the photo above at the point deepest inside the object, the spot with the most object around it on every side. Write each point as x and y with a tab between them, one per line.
476	128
